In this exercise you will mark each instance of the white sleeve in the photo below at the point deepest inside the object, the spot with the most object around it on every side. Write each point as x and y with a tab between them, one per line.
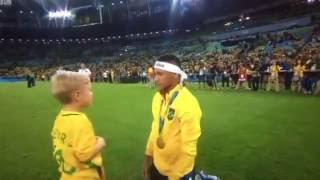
89	72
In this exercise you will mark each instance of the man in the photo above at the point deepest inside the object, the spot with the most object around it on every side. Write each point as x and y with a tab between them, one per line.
31	79
285	66
255	76
273	81
84	70
151	76
172	144
242	78
201	79
105	76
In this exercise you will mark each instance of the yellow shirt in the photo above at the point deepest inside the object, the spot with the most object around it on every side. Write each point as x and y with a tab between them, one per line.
275	69
74	143
180	133
150	72
298	70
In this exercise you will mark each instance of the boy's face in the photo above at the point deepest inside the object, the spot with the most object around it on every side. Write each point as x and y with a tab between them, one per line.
83	95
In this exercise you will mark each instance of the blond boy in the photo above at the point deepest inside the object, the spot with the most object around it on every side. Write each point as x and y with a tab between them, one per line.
77	149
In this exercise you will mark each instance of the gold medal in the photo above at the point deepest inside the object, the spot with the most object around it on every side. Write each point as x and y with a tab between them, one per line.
160	142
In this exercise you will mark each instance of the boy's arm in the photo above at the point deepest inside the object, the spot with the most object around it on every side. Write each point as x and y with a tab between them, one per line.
86	145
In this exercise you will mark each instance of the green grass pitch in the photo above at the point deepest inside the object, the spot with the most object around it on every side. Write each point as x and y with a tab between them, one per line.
245	135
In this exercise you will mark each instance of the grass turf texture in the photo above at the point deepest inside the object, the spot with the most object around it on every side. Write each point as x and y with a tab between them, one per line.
245	135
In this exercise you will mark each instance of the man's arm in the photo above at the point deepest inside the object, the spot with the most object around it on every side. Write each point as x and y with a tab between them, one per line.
148	160
190	132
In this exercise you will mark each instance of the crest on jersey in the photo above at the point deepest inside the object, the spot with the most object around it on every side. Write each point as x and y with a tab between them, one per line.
171	113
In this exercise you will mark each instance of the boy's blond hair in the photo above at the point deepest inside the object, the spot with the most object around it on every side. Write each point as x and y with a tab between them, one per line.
65	83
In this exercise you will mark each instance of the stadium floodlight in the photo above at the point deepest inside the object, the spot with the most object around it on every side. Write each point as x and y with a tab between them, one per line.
228	24
248	18
60	14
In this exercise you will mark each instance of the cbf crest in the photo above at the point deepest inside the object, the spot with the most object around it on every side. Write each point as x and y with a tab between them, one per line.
171	114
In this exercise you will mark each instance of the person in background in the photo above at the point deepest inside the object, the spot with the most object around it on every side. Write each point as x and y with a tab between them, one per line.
234	75
226	75
201	76
151	76
105	76
242	80
273	80
84	70
298	70
255	76
286	67
112	76
31	79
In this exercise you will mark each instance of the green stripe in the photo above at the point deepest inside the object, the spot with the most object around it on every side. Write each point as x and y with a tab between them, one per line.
90	165
70	114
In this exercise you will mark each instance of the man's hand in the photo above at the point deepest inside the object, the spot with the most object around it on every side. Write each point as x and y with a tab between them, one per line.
147	163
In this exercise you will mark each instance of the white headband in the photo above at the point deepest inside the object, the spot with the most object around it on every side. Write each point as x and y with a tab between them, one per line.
171	68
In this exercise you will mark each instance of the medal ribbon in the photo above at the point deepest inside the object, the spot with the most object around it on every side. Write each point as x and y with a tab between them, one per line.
161	119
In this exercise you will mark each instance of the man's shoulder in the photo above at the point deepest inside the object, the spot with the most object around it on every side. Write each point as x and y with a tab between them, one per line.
156	97
186	98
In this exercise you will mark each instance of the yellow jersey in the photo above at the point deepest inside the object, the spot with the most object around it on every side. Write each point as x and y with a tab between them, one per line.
150	72
275	69
180	131
74	143
298	70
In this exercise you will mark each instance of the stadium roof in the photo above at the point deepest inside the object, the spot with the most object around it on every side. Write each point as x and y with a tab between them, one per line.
113	17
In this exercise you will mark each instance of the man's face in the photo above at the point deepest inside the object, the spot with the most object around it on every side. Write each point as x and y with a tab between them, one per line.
82	66
164	79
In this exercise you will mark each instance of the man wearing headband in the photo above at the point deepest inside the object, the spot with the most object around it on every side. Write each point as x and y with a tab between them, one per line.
172	145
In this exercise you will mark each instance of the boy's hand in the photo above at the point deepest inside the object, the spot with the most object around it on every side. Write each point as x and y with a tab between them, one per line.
101	143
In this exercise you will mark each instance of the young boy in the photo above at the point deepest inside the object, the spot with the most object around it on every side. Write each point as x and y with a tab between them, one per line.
76	148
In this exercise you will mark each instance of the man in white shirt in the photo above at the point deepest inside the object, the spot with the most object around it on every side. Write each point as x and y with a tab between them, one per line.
105	76
84	70
60	70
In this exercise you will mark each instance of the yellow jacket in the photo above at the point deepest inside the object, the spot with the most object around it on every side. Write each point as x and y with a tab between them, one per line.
180	133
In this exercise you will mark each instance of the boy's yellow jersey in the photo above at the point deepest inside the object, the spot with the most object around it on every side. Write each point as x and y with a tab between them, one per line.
74	143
